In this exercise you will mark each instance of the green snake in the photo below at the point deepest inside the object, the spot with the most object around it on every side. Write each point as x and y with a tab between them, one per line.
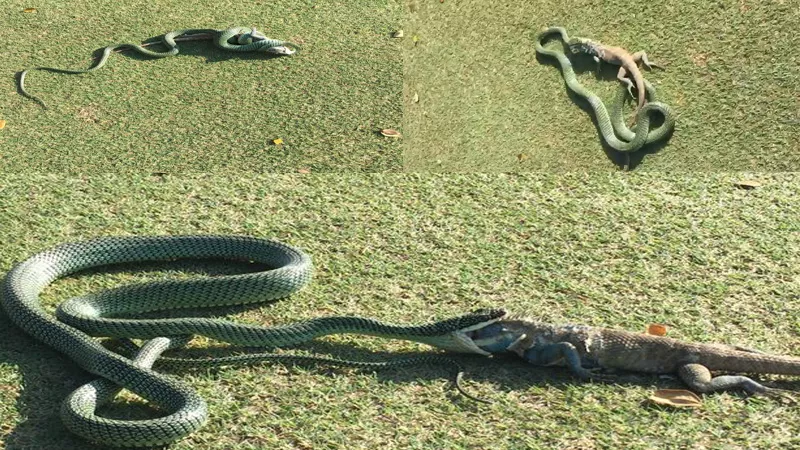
108	313
236	39
612	127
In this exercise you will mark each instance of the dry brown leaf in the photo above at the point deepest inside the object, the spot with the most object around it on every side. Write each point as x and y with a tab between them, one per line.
397	34
416	98
2	124
303	171
29	10
522	157
657	329
388	132
748	184
678	398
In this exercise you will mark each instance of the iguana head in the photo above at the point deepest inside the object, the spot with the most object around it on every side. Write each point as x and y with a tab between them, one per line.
581	45
513	333
280	50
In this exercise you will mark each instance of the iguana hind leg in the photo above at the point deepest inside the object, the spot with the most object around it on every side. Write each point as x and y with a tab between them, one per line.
699	378
642	56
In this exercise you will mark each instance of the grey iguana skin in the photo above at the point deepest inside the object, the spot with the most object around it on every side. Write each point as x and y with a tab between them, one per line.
586	349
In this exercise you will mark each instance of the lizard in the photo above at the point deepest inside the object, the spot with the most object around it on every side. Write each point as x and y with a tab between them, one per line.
587	350
629	64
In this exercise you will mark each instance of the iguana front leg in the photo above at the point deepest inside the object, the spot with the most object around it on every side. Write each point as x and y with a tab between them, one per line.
560	353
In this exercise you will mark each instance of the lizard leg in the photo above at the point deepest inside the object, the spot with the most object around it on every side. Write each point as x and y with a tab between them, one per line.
599	63
558	353
621	77
642	56
699	378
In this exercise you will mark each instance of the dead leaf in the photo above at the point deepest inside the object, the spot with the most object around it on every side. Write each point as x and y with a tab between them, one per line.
2	124
278	141
303	171
388	132
397	34
416	98
415	38
657	329
522	157
678	398
748	184
29	10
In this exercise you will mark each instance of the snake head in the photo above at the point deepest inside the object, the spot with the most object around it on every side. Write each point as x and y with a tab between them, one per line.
456	332
495	337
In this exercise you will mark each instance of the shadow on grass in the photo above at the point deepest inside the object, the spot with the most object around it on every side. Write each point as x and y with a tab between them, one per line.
506	373
608	72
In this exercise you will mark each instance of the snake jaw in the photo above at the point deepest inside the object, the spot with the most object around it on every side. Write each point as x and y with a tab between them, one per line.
462	340
497	338
466	344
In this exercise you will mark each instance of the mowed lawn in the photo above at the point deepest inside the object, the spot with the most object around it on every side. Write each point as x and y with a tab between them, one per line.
205	109
713	261
487	102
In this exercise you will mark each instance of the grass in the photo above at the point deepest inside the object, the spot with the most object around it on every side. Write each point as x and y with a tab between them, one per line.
487	103
205	109
714	262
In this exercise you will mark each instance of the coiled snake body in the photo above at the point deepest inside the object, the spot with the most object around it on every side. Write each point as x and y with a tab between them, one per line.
612	127
244	40
101	314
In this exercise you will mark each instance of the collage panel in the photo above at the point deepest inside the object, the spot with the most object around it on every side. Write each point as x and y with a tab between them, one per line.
515	86
413	278
278	86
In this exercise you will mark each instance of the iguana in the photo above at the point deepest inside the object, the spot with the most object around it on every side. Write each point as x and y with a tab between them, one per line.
586	350
618	56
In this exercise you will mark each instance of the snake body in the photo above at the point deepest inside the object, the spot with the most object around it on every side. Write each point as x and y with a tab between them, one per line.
612	126
245	40
107	313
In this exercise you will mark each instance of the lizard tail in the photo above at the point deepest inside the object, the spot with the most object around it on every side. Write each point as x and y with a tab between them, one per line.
641	94
750	362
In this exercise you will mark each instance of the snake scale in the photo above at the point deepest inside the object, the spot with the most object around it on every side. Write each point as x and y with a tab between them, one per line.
235	39
612	126
108	313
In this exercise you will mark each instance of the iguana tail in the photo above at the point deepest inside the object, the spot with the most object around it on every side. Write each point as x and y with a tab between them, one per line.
748	362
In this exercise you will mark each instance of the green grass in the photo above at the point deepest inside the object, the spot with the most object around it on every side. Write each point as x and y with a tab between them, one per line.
204	109
716	263
485	98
